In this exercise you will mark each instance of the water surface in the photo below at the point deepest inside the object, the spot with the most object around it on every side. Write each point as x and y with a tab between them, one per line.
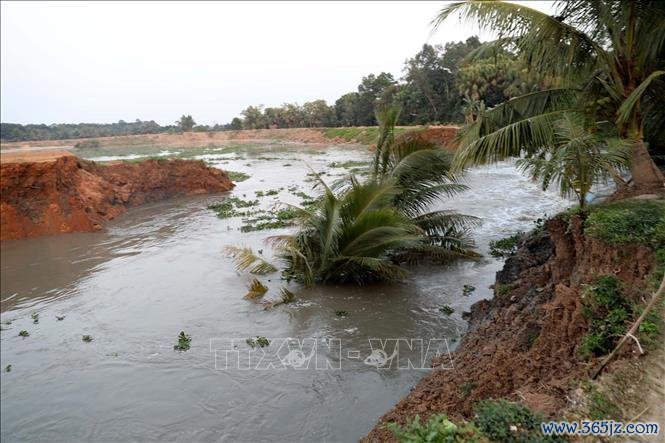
160	269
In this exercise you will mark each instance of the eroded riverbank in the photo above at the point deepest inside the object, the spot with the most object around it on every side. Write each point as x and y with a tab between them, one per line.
159	269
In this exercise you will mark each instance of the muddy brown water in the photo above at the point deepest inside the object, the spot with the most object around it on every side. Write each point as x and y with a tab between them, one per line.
159	270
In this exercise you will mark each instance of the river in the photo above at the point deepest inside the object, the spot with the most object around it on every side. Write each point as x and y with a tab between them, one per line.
160	269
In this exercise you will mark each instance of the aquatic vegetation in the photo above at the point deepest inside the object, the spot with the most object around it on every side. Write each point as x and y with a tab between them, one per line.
256	289
86	338
35	318
437	429
244	259
236	176
24	334
341	313
184	342
506	247
59	317
260	341
8	368
468	289
446	310
229	207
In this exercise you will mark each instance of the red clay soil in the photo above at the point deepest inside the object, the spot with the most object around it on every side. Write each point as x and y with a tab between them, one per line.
73	195
523	343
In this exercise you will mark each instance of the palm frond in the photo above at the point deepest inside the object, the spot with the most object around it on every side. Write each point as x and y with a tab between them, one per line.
629	105
244	259
256	289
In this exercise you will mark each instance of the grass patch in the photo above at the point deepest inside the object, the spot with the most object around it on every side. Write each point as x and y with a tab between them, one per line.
436	429
237	176
504	421
628	222
363	135
600	407
608	313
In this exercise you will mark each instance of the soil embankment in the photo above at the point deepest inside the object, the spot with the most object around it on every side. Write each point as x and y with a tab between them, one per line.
523	344
73	195
438	135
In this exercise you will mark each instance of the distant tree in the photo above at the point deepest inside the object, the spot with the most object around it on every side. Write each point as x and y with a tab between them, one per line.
318	114
373	92
236	124
186	123
346	108
253	117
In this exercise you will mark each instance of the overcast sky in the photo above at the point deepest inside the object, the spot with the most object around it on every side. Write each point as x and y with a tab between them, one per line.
102	62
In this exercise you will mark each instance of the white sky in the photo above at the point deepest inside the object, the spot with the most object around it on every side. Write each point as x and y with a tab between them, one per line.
101	62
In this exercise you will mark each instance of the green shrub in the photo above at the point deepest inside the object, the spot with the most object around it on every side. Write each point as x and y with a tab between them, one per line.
437	429
506	247
184	342
628	222
495	418
608	313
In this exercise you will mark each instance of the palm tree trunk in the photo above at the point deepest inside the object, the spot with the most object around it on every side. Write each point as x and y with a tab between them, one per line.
646	174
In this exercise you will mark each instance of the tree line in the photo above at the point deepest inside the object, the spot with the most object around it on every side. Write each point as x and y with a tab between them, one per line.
439	85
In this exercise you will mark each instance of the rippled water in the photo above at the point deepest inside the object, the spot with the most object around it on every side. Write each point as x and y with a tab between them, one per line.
159	269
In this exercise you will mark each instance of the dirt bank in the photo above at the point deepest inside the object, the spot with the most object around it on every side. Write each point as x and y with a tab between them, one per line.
72	195
201	139
523	343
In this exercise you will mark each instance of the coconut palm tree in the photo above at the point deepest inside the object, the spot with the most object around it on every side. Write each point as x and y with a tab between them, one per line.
349	236
576	159
609	58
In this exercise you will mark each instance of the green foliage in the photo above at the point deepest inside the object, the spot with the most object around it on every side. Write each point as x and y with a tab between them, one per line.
437	429
86	338
186	123
576	158
341	313
495	418
237	176
184	342
446	310
24	334
467	290
260	341
506	247
576	47
628	222
608	313
35	318
8	368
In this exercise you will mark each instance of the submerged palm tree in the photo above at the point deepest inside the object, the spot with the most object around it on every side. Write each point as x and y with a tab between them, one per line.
609	56
362	231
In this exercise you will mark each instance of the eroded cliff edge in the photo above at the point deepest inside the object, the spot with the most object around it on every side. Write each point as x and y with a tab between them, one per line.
524	344
69	194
